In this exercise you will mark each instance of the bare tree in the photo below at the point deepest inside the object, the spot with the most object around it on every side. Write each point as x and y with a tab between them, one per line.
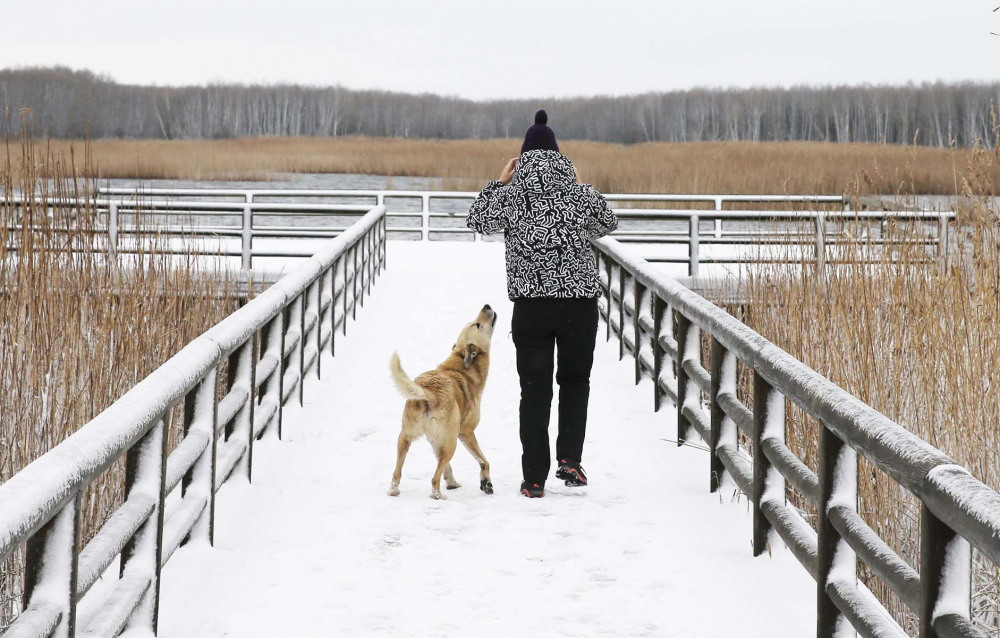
70	103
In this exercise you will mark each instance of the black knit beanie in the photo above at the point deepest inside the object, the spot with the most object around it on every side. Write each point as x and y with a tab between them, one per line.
540	137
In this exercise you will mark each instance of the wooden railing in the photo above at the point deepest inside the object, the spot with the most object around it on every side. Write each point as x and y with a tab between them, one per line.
658	321
269	344
441	217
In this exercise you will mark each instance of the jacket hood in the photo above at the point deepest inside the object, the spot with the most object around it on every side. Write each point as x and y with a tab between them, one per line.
543	171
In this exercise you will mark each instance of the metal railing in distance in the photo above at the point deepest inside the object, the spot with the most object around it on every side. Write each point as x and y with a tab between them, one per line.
957	510
432	224
270	344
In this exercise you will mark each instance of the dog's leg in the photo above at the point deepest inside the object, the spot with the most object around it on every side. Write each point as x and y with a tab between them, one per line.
449	478
402	447
472	445
444	453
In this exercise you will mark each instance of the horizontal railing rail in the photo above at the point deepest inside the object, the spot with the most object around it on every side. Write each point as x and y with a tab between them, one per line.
268	346
727	227
659	322
433	224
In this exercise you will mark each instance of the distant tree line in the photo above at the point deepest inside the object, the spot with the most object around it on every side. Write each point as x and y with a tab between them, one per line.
67	103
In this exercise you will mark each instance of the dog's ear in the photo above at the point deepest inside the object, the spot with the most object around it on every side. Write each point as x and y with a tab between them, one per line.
470	353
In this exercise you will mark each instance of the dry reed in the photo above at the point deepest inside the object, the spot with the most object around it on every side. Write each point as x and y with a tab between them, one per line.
78	329
918	342
696	167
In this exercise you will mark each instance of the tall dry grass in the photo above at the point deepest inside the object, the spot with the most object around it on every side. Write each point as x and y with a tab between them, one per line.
918	342
77	329
697	167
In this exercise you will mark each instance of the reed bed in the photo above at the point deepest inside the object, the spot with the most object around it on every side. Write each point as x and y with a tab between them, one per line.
78	329
696	167
917	339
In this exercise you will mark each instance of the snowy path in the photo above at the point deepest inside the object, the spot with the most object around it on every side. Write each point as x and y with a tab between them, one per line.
316	548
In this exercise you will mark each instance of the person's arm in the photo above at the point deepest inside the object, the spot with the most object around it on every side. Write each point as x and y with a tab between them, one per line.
600	218
488	214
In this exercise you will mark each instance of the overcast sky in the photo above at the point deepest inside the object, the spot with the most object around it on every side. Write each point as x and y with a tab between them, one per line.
492	49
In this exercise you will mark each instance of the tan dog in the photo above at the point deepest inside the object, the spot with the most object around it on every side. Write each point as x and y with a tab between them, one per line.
443	404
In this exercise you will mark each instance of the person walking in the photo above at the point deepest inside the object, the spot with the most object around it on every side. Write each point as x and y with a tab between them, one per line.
548	217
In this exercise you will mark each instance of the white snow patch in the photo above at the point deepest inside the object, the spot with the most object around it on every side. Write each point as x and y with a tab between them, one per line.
955	592
727	382
774	424
845	480
314	547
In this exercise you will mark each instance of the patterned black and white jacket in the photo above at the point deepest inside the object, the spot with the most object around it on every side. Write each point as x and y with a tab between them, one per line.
547	219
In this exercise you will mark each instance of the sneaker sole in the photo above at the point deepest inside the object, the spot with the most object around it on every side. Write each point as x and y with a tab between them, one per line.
571	478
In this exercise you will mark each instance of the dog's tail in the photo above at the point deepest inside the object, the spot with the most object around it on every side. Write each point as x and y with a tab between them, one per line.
406	386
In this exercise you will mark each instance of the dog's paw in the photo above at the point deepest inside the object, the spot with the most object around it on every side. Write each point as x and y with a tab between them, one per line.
438	496
486	486
393	491
454	486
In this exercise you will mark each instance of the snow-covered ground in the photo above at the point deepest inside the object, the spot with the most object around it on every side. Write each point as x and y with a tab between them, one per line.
315	547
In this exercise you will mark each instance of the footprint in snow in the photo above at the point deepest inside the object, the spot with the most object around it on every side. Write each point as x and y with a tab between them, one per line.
389	542
600	575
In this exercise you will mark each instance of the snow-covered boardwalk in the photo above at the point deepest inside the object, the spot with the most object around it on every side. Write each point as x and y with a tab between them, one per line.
315	547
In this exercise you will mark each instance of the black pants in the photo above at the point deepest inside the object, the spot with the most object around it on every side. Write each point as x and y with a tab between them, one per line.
540	326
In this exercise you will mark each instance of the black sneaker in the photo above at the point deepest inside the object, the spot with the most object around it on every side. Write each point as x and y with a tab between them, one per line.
532	490
572	473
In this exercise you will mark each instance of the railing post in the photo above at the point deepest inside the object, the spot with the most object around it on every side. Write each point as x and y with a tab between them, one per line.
659	309
945	570
113	230
294	319
385	238
242	373
360	245
425	217
50	570
694	246
838	467
145	471
343	293
333	307
354	284
271	346
820	244
287	318
610	270
201	416
718	227
371	259
317	295
638	292
723	379
366	255
247	234
943	243
682	334
621	311
768	423
301	303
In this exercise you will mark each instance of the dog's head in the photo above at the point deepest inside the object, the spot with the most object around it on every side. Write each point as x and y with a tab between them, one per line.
475	336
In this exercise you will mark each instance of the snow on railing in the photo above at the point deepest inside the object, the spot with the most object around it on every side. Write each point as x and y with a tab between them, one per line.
449	224
957	509
270	344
